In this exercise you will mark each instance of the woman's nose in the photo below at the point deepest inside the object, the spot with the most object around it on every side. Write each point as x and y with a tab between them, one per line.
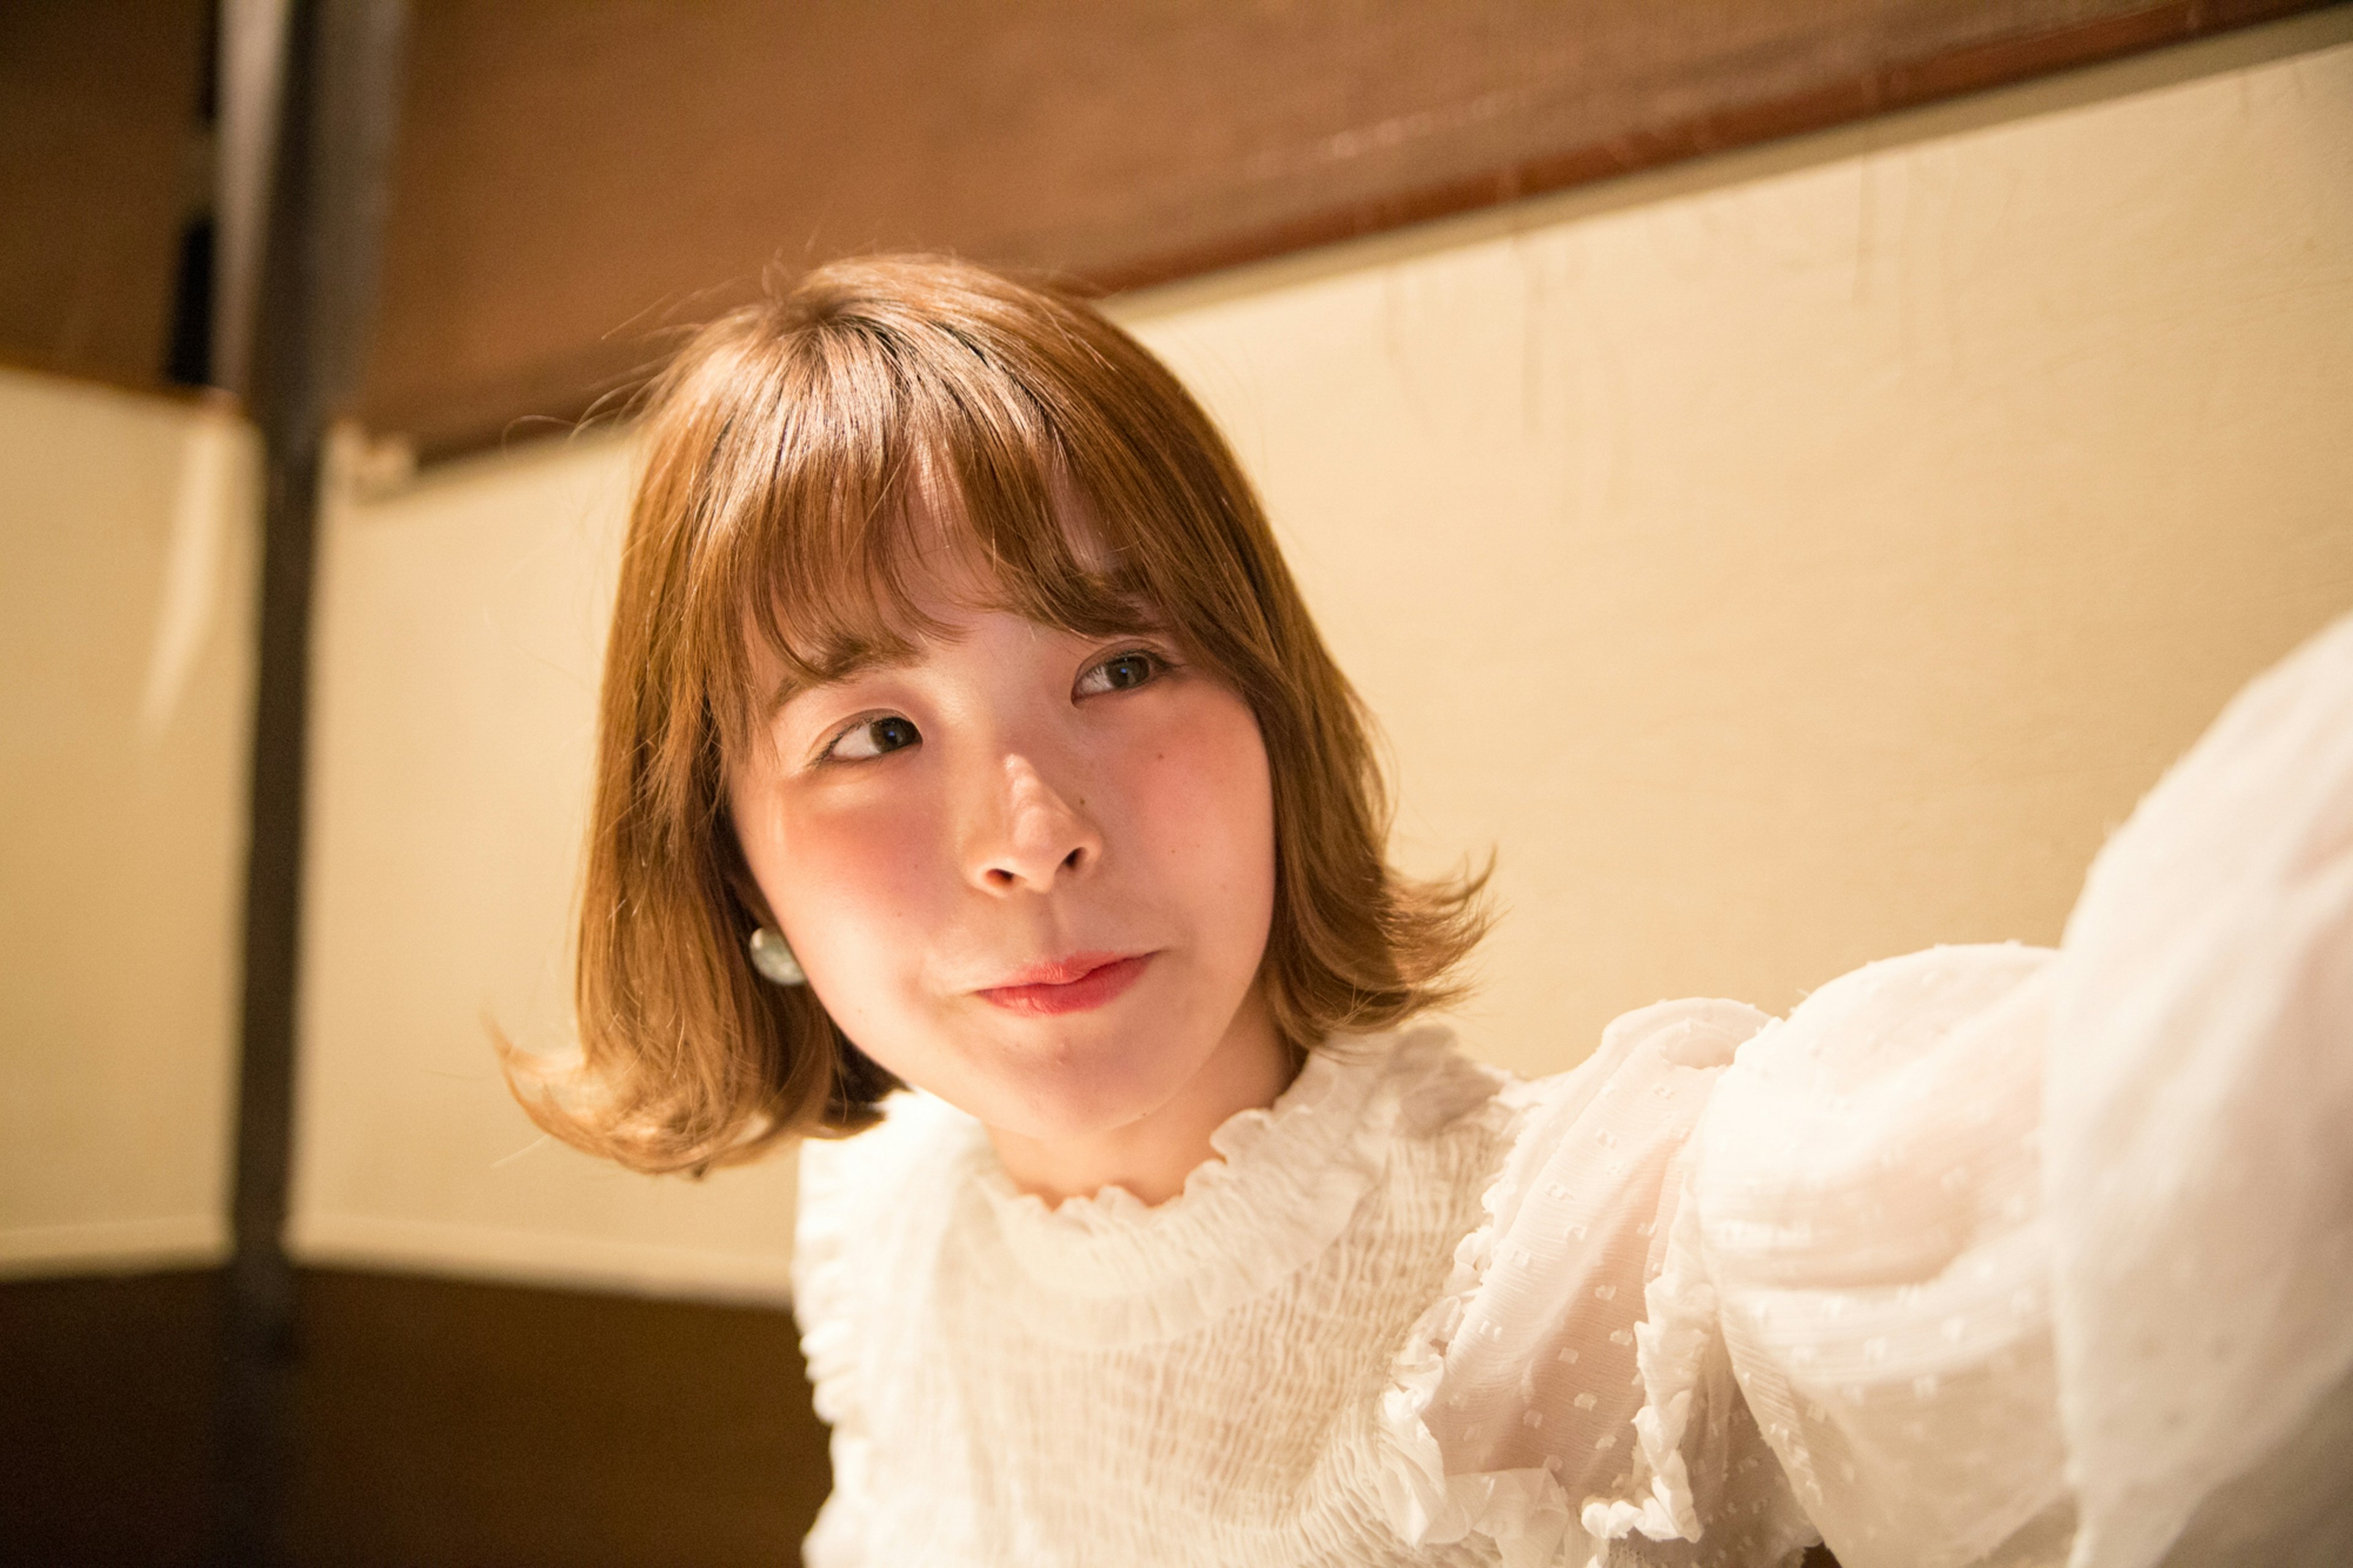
1032	837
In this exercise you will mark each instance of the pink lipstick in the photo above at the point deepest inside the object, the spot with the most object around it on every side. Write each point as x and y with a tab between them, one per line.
1071	985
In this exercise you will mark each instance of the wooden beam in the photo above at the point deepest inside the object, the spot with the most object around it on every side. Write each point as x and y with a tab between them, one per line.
323	234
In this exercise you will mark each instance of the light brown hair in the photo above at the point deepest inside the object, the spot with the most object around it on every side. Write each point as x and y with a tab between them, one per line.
794	454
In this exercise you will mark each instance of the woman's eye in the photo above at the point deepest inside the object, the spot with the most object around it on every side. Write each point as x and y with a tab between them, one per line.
1120	672
872	738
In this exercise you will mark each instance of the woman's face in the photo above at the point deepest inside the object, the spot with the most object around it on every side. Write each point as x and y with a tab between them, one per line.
1029	871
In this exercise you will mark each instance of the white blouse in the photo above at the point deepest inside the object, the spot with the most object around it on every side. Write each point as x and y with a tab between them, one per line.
1990	1256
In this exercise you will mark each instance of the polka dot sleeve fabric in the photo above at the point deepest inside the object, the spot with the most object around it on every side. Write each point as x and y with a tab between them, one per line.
1868	1205
2200	1146
1534	1405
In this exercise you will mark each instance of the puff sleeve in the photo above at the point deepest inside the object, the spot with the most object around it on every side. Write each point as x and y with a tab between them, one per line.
2198	1146
1564	1389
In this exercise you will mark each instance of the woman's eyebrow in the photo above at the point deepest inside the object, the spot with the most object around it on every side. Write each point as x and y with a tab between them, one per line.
835	669
1136	617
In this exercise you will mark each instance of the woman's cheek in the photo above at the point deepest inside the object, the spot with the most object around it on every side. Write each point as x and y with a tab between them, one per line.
856	907
1207	801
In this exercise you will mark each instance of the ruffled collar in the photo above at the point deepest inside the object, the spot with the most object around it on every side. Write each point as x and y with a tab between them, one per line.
1109	1269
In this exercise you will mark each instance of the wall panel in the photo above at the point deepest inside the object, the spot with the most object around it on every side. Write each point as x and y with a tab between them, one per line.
127	534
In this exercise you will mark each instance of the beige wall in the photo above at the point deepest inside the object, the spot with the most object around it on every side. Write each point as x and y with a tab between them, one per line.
1807	559
1781	563
127	528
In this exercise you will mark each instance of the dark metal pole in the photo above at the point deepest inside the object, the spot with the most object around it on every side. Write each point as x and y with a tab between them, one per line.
314	313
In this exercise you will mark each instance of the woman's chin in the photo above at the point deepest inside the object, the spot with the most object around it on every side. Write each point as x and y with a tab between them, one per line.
1080	1107
1079	1093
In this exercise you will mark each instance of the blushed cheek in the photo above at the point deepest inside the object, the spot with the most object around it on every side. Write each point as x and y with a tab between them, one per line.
853	894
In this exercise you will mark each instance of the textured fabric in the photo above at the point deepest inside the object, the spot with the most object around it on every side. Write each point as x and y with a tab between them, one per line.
1986	1256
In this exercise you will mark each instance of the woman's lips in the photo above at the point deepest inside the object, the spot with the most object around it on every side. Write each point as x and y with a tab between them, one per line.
1069	984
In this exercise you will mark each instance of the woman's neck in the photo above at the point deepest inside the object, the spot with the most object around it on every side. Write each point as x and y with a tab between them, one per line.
1152	1155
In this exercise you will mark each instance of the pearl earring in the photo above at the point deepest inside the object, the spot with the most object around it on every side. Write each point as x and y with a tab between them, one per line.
773	958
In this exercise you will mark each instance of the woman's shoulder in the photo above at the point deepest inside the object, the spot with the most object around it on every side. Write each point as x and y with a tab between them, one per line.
864	1197
1517	1402
1671	1050
913	1126
1689	1032
864	1202
875	1180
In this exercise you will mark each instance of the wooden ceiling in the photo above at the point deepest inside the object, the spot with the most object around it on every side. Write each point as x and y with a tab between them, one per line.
99	174
577	179
577	175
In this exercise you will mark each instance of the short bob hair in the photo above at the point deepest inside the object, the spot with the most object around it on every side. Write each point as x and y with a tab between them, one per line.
794	454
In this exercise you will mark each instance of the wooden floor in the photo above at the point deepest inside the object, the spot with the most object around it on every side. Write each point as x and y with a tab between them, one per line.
434	1423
